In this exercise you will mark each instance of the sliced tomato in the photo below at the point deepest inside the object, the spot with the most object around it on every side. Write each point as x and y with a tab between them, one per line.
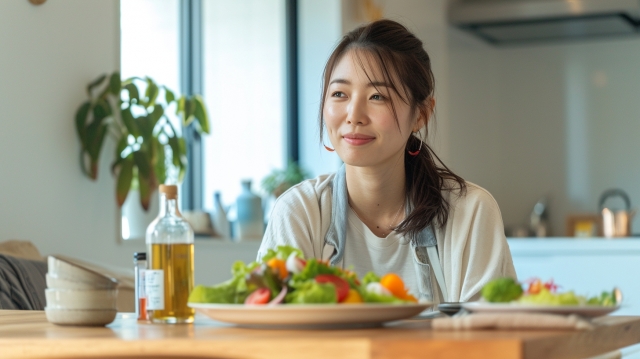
259	296
342	287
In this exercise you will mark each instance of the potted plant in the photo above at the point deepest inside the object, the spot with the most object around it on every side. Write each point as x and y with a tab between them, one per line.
148	145
279	180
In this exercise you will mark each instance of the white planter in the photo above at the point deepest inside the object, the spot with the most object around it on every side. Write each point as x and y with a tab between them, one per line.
135	219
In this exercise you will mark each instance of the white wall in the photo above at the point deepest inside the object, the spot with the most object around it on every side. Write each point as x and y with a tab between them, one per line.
48	54
557	119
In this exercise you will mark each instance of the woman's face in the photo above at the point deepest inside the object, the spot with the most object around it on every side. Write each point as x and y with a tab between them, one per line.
358	115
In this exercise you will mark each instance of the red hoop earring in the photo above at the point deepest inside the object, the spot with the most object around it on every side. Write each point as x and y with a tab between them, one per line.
415	153
328	148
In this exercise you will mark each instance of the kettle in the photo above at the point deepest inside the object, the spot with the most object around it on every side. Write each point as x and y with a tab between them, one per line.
616	223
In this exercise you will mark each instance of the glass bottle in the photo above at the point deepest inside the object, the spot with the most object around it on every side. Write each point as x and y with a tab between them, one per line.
169	277
219	218
140	265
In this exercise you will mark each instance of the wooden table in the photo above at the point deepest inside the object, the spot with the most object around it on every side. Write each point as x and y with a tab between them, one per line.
27	334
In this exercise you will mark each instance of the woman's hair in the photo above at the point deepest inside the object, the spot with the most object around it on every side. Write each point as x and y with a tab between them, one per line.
397	51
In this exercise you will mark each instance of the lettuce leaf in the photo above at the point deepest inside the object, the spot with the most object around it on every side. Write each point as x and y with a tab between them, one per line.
370	277
281	252
370	297
312	292
235	290
311	270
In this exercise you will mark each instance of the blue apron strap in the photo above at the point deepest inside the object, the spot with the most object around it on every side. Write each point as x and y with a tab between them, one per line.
427	239
337	233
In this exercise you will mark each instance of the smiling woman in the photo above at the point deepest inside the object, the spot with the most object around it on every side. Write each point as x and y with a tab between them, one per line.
393	207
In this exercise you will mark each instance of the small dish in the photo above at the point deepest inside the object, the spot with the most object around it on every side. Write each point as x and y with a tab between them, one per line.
82	317
55	282
81	299
63	269
589	311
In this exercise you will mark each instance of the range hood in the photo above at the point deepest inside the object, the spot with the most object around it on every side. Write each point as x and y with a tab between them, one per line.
516	21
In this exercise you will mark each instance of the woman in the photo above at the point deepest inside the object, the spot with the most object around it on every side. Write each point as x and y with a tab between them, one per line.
393	207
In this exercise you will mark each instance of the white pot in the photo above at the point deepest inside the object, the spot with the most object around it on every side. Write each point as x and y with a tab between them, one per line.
135	219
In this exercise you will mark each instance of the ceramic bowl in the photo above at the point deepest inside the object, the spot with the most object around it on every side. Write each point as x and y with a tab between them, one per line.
62	269
55	282
88	317
81	298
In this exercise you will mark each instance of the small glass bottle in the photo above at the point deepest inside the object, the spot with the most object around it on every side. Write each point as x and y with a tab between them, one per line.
140	266
169	277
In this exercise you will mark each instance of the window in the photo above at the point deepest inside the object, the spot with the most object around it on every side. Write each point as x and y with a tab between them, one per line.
149	46
235	53
244	80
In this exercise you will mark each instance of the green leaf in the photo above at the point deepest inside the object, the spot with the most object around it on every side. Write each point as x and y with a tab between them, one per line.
95	83
200	113
155	115
188	112
143	163
129	121
183	145
83	163
122	144
144	186
175	150
101	110
159	165
81	119
146	128
151	93
180	107
133	92
124	181
96	135
169	96
114	83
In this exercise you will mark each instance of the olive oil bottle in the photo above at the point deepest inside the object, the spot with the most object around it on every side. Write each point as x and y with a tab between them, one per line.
169	277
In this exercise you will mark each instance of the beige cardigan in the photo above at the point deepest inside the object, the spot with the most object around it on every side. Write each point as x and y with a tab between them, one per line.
472	246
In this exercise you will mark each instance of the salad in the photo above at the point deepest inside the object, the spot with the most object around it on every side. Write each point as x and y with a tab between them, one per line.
284	276
505	290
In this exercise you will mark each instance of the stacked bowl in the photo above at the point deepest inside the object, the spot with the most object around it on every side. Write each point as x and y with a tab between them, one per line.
79	296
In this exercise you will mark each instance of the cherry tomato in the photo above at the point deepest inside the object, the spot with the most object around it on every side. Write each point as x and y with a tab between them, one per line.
259	296
342	287
551	286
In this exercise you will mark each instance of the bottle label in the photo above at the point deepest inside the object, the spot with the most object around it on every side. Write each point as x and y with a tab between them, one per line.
154	288
142	283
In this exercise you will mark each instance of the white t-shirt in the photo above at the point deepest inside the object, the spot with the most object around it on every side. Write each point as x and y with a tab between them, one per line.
365	252
472	247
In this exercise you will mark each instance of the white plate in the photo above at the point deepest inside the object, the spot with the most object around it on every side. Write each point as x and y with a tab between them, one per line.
309	315
582	310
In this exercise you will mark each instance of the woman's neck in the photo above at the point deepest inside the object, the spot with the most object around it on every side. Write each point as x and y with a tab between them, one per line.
377	195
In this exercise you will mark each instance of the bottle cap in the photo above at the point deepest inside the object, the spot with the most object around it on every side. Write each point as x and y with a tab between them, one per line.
140	256
169	190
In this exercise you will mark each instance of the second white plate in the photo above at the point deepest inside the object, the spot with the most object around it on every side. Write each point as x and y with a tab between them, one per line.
590	311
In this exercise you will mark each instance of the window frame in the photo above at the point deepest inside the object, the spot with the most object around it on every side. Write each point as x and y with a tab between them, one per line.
191	82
